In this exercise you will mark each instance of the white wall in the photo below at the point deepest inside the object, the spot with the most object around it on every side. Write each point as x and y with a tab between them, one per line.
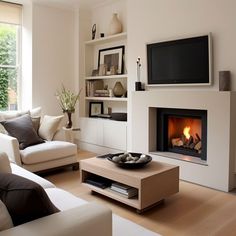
155	20
53	55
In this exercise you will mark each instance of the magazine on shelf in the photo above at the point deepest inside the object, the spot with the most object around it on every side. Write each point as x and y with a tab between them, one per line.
123	189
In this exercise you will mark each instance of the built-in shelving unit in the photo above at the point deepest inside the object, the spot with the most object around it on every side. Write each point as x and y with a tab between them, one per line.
99	133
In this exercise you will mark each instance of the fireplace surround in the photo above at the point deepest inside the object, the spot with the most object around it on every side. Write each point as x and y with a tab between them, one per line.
218	170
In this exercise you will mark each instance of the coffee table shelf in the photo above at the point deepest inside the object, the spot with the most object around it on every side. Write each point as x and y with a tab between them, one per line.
154	182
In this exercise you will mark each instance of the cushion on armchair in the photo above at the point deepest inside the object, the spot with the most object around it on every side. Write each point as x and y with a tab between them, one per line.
49	126
24	199
22	129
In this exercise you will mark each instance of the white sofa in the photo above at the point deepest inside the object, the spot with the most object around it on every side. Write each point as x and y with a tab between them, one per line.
77	217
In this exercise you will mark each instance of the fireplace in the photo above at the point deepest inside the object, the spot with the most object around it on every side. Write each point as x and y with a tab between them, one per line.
182	131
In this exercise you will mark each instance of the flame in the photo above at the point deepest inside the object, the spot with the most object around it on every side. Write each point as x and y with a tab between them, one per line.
186	132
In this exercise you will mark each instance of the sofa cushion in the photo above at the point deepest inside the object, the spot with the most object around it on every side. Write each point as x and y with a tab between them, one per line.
49	126
4	163
64	200
5	218
35	112
22	129
17	170
36	123
47	151
24	199
7	115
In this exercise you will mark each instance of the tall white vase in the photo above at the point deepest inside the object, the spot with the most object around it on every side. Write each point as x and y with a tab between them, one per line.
115	25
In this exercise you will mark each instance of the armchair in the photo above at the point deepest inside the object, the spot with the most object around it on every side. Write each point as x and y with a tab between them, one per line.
50	154
43	156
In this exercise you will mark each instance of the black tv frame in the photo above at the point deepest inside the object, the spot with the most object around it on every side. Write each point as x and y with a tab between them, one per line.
178	83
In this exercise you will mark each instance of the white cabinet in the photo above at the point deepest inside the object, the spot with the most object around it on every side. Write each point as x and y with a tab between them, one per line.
104	132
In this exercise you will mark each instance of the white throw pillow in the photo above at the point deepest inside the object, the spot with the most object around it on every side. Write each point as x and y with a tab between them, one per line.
49	126
35	112
4	163
5	218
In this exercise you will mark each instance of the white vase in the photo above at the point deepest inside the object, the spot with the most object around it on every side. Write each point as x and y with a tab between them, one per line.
115	25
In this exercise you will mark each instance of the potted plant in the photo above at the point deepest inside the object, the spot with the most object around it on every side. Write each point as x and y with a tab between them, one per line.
67	100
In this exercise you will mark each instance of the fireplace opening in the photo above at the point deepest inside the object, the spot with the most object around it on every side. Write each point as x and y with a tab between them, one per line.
182	131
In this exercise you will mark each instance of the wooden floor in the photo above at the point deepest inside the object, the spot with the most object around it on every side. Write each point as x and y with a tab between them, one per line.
195	210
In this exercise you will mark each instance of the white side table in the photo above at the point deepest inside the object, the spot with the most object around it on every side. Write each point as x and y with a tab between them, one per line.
70	134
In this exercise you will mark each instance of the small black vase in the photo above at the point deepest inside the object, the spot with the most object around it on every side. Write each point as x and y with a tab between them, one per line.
69	122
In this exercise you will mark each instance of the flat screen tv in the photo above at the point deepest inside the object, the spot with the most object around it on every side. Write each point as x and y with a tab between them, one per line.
184	61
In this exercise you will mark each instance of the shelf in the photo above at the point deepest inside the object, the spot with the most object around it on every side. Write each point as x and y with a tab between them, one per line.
134	202
107	39
123	76
107	99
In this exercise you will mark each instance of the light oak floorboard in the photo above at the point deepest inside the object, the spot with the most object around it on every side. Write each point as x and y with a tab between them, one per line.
195	210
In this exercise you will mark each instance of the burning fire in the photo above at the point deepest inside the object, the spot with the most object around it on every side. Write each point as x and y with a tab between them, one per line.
186	132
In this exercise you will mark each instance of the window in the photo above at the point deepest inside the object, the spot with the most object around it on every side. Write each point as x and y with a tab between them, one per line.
10	56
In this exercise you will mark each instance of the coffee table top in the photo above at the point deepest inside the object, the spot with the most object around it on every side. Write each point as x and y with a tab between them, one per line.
103	165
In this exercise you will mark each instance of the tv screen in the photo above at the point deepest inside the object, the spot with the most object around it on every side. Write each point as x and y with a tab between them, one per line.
182	61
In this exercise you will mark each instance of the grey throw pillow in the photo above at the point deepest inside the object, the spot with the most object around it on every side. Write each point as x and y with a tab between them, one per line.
24	199
22	129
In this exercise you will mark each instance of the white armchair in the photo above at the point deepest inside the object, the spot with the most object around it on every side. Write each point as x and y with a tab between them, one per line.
43	156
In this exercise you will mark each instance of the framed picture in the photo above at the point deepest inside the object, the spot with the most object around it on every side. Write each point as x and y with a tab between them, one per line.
95	108
112	58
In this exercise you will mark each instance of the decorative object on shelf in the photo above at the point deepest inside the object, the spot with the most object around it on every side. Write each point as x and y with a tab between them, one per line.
95	109
138	84
115	26
102	69
112	58
102	35
93	31
130	160
224	80
118	89
95	72
67	101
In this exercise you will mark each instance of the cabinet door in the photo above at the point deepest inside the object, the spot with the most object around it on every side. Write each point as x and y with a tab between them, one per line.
91	131
115	135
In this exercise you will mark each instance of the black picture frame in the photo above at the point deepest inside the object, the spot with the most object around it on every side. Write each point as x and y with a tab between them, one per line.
112	57
95	109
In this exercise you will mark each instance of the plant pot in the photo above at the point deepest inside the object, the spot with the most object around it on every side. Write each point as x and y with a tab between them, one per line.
69	122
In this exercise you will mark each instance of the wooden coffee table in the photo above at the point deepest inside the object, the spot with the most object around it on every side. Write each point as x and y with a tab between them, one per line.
155	182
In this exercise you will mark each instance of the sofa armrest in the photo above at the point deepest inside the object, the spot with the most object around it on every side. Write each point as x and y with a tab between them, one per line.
10	146
86	220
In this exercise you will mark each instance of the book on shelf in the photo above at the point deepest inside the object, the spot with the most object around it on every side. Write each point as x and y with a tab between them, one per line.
92	86
101	93
98	181
124	190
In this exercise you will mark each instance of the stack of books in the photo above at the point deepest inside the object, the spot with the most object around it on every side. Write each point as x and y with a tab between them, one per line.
101	93
124	190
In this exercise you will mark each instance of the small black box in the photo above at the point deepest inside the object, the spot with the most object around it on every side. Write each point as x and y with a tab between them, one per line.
119	116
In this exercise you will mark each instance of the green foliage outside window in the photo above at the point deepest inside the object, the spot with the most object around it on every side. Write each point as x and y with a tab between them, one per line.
8	62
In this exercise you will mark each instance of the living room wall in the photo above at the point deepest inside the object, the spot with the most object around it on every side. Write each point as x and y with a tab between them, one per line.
158	20
53	55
